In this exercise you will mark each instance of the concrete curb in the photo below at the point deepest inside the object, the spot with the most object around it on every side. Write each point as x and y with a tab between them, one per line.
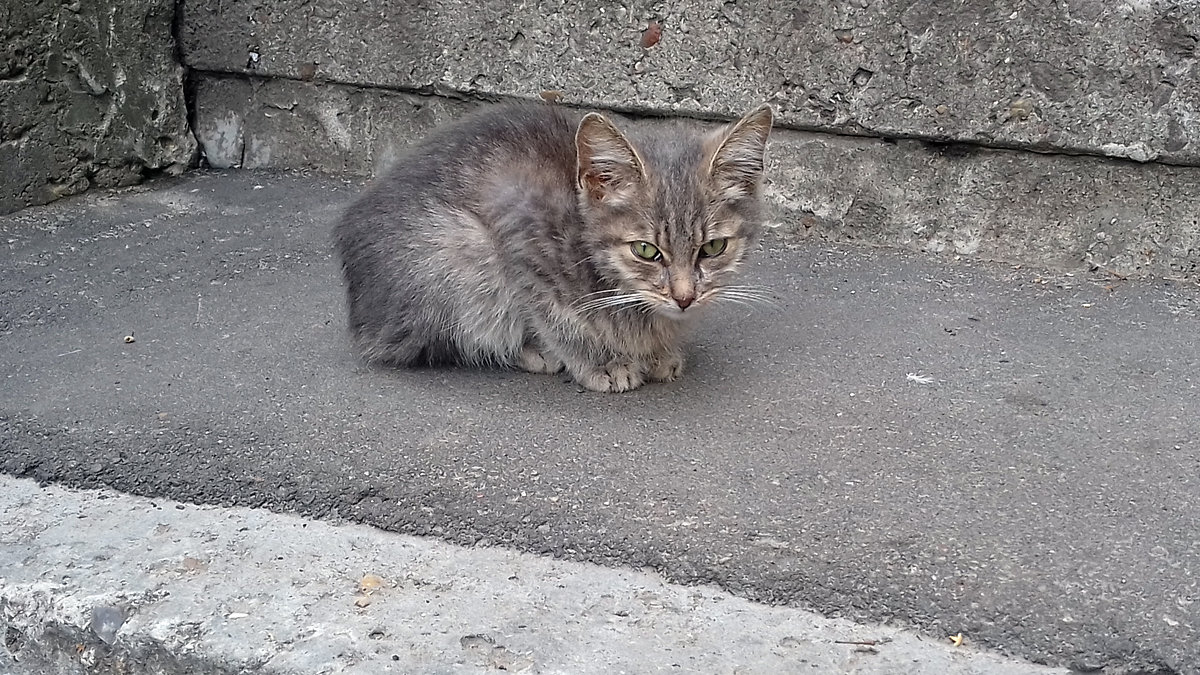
99	582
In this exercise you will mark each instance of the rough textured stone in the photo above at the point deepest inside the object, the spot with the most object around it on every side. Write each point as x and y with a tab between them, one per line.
1065	212
1118	79
1056	210
255	124
301	597
90	94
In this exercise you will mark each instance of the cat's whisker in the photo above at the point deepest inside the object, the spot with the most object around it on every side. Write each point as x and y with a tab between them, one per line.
648	306
631	301
750	287
744	288
607	295
738	302
607	291
747	293
609	302
585	259
747	299
617	302
598	305
753	297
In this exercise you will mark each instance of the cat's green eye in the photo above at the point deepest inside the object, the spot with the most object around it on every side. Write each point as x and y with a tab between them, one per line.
645	250
714	248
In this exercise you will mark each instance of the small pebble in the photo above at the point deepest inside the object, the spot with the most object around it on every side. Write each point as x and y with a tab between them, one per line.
106	621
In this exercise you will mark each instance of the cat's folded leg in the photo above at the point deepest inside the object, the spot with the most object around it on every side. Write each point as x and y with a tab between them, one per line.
615	376
667	366
534	360
589	361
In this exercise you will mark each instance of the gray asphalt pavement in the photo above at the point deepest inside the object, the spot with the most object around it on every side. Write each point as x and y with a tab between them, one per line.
948	445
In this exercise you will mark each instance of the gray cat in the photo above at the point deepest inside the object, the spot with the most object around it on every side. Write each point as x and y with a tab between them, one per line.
531	236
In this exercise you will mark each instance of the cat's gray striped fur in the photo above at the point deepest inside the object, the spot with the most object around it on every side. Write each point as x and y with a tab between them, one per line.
517	237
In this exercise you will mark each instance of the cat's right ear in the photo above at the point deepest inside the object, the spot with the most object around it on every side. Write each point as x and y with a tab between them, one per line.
737	164
609	168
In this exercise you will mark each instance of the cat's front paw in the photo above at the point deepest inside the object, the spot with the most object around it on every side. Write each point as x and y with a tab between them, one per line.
615	377
667	367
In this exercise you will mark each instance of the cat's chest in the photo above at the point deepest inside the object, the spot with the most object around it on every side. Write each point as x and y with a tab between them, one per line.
636	333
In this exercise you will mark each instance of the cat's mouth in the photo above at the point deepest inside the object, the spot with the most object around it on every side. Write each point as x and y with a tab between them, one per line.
674	309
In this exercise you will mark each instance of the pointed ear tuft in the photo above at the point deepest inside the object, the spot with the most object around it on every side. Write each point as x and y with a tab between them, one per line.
609	168
737	164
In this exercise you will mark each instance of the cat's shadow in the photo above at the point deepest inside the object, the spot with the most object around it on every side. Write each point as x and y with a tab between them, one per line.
726	357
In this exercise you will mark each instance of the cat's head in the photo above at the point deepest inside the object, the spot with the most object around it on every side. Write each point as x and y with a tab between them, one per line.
671	214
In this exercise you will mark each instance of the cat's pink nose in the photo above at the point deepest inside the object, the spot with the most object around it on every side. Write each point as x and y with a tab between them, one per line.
685	301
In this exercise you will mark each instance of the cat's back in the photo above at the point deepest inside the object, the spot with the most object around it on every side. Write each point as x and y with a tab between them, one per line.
425	250
484	162
528	128
502	140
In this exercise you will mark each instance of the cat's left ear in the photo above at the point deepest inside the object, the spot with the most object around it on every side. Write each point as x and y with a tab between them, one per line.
737	163
609	168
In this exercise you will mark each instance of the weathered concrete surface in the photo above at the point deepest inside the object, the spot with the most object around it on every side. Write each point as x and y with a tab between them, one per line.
188	592
1120	79
1070	213
1067	213
1032	484
274	124
90	94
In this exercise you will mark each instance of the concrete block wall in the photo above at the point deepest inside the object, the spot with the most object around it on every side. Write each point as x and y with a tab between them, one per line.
1064	133
1118	79
90	95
